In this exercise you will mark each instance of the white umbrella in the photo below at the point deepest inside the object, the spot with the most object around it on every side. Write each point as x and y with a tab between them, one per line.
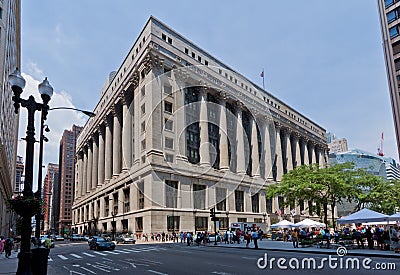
309	223
364	215
282	224
395	217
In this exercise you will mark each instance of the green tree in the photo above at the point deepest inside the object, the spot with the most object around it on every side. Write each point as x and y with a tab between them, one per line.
324	186
378	194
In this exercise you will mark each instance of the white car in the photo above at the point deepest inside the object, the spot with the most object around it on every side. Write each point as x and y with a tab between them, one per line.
125	239
59	238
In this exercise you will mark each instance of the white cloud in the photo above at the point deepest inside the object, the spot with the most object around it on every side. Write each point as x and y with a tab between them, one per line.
57	121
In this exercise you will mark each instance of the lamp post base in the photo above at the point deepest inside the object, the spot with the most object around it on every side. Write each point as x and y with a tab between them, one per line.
24	263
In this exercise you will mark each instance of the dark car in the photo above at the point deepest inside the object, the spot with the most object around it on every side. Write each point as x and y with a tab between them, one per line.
98	243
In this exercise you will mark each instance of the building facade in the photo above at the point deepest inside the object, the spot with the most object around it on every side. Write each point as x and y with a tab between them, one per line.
389	14
10	58
19	173
50	180
338	145
64	193
178	132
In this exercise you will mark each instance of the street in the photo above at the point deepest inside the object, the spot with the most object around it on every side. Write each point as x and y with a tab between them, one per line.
169	258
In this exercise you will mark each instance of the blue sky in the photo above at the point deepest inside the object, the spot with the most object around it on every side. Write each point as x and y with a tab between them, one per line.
323	58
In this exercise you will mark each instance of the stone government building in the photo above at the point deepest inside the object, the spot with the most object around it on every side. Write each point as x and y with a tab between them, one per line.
178	132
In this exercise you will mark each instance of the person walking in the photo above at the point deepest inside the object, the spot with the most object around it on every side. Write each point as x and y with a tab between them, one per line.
1	245
254	236
295	238
8	247
247	237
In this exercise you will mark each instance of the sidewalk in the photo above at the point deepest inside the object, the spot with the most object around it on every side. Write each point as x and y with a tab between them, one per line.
9	266
288	246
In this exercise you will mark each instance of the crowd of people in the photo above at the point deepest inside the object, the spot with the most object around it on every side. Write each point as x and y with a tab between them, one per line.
7	245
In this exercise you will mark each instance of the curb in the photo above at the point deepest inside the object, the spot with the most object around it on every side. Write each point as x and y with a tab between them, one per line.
332	252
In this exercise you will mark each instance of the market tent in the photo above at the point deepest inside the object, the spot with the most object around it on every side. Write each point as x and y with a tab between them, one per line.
364	215
395	217
309	223
282	224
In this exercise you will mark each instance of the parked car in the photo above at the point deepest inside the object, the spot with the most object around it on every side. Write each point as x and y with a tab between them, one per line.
76	237
98	243
211	238
43	240
59	238
125	239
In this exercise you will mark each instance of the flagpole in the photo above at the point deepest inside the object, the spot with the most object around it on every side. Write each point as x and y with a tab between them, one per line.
263	80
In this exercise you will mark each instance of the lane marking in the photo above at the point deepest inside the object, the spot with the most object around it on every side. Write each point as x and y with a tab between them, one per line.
76	256
99	253
121	251
112	252
84	268
87	254
95	266
156	272
62	257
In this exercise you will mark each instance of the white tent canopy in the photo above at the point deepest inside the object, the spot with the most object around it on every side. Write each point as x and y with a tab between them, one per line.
309	223
395	217
282	224
363	216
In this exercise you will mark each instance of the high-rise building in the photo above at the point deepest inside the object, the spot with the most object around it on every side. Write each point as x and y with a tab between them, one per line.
19	172
389	13
50	180
176	133
338	145
10	58
64	190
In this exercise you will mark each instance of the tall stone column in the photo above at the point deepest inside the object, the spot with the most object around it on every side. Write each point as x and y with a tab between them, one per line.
240	161
223	137
89	168
108	151
203	123
121	201
102	208
116	143
279	155
306	154
321	161
100	171
180	124
79	186
126	136
313	159
289	160
267	150
296	140
84	182
95	165
255	160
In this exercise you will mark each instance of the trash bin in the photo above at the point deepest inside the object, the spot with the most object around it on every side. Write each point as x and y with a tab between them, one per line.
39	260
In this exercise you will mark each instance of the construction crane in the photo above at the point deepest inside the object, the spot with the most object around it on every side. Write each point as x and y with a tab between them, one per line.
380	149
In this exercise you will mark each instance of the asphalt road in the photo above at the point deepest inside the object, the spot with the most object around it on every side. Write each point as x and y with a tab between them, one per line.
159	258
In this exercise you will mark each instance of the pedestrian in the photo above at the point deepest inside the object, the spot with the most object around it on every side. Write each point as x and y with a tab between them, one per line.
8	247
181	236
188	238
247	237
295	238
370	239
254	236
1	245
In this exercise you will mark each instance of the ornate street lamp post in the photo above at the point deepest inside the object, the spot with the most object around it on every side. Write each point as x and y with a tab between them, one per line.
17	83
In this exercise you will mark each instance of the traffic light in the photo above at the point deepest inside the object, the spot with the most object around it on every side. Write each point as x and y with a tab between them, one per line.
212	212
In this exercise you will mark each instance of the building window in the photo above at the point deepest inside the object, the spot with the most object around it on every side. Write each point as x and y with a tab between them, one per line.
186	51
220	194
115	204
143	158
168	125
223	223
255	203
268	205
391	16
258	220
199	58
143	91
169	158
143	108
168	89
106	207
170	40
199	196
393	32
173	223
388	3
169	143
164	37
201	223
239	201
143	126
139	224
171	194
206	62
168	107
140	191
143	144
193	55
242	219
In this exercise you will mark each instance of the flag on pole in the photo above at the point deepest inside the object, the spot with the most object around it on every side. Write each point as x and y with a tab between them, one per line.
382	136
262	75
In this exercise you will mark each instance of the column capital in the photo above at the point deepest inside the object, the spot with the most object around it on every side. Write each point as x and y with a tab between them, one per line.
134	79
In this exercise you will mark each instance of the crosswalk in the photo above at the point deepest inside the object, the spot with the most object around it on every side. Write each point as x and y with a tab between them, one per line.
93	254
